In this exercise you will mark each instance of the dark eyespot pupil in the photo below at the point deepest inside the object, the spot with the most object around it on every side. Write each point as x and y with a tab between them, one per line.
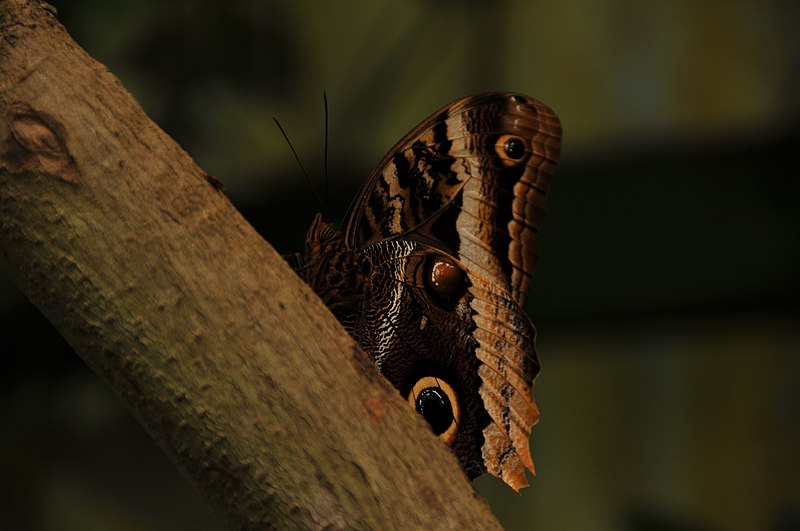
514	148
433	404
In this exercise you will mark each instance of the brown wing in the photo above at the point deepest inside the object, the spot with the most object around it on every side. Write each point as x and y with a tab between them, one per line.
476	339
471	179
470	182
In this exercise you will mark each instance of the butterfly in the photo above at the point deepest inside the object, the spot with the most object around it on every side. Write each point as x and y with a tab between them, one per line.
432	266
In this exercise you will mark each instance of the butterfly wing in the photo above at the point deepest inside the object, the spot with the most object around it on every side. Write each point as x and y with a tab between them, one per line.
470	183
472	179
471	338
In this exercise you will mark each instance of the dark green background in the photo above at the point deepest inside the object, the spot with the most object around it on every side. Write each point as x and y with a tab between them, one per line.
665	299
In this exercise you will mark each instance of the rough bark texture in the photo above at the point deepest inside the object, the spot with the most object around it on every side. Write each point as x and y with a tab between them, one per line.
230	362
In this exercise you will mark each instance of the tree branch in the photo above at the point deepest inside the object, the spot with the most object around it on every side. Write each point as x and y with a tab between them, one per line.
229	361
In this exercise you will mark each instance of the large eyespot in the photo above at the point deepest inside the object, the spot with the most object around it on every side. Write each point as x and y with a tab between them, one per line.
444	279
436	400
511	149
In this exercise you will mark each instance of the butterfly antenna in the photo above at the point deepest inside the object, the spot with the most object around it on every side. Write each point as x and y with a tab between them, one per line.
297	158
325	158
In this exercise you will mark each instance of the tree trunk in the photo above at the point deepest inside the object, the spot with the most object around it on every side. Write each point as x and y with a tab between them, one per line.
230	362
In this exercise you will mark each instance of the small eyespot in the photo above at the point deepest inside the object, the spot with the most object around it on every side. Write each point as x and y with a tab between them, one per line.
511	149
437	402
443	279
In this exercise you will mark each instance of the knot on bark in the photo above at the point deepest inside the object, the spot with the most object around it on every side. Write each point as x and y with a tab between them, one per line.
37	142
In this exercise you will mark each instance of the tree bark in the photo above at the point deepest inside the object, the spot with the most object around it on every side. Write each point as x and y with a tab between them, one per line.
228	360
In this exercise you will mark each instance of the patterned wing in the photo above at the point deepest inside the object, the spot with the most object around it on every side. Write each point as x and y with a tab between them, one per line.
470	179
470	337
468	183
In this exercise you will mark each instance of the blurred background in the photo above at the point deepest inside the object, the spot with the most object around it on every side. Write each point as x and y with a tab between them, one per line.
666	295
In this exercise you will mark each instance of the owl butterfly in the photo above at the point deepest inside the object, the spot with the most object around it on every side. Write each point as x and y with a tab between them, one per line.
431	271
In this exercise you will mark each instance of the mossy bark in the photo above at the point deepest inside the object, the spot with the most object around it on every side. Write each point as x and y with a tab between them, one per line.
229	361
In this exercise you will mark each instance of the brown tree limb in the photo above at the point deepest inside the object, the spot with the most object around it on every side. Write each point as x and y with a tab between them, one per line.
229	361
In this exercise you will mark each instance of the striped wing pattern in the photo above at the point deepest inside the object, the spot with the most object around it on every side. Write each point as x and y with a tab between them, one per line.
470	182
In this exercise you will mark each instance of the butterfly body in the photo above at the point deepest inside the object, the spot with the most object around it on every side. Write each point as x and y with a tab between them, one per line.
432	269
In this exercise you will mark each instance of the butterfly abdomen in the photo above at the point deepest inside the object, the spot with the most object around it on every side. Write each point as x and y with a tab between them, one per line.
333	271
